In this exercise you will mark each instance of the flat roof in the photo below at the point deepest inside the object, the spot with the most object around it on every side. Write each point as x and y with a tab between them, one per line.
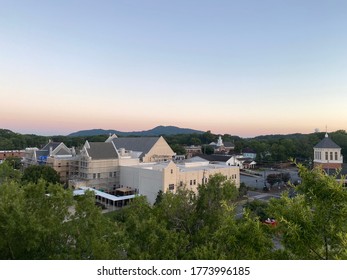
108	196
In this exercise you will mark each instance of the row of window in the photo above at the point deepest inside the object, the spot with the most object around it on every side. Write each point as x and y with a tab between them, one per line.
328	156
95	175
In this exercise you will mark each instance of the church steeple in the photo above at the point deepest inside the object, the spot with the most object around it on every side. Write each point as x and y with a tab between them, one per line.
220	141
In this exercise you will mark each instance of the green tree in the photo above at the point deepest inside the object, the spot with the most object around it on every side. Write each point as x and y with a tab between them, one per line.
34	173
148	236
178	149
273	178
207	149
7	172
15	162
285	177
258	208
94	236
208	137
32	222
313	223
211	195
242	239
242	190
40	222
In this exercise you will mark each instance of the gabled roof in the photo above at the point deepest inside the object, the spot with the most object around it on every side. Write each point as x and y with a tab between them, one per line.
49	145
101	150
327	143
63	152
138	144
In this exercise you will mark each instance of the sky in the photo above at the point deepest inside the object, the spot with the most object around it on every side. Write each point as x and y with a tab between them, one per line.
234	67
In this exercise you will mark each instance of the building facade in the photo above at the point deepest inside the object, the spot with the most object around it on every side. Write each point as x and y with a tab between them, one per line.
11	154
150	178
97	166
54	154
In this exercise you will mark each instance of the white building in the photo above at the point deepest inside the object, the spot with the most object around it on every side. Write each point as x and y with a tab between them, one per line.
327	154
150	178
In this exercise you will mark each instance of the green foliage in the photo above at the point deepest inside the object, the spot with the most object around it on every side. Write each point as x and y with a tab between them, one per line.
258	208
15	141
15	162
207	150
40	220
34	173
242	190
37	222
8	173
313	223
148	236
277	178
186	225
218	190
274	178
178	149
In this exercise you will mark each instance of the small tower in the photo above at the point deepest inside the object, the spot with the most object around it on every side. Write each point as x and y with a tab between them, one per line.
327	154
220	141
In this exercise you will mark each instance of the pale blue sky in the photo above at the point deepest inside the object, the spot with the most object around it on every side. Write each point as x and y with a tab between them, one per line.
238	67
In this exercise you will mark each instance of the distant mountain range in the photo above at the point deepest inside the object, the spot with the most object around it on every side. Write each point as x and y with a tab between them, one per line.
159	130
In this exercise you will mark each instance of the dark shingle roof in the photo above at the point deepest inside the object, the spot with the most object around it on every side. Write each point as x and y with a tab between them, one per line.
137	144
102	150
42	153
220	158
51	144
229	144
327	143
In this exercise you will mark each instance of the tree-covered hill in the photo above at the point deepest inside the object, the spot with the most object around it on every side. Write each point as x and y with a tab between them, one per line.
269	148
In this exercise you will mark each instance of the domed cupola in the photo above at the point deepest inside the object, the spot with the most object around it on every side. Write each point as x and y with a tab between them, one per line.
327	154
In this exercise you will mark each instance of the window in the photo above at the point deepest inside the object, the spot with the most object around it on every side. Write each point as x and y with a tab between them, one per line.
191	182
94	176
331	156
110	174
336	158
171	171
326	156
171	187
194	182
98	175
114	174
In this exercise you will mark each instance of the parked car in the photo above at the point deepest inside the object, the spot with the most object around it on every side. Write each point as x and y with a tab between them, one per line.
270	221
